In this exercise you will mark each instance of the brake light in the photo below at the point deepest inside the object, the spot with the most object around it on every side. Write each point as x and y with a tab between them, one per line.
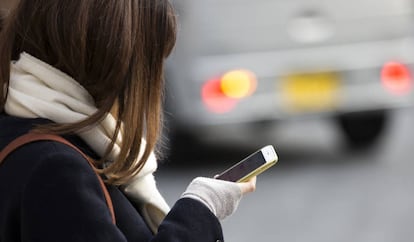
214	99
396	78
221	94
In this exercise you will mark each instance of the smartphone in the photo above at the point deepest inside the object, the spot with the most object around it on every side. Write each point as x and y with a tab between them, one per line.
251	166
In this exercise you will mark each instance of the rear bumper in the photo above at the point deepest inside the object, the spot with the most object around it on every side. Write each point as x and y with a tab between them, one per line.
359	66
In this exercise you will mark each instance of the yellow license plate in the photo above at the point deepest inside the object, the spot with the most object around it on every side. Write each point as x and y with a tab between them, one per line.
310	92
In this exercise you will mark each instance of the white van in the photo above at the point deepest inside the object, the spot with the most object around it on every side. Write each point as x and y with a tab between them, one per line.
239	64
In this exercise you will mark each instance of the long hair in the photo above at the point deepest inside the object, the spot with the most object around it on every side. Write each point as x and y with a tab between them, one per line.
115	49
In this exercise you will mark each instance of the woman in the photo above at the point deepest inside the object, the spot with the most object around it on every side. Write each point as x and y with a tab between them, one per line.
91	71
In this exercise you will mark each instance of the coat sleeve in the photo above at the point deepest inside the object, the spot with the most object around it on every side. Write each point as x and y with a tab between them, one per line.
63	201
190	220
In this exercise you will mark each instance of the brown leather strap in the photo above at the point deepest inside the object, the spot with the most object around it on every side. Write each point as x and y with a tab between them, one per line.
32	137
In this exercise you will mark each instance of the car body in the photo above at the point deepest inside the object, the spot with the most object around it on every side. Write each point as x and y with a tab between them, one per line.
239	64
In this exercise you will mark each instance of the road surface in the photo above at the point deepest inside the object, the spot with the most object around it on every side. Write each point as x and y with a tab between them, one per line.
319	191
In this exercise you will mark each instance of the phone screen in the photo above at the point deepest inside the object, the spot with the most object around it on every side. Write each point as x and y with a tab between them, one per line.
243	168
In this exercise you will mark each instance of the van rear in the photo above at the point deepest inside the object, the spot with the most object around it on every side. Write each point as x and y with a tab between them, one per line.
239	63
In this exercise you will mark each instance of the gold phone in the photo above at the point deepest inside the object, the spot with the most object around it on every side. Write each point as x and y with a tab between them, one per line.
251	166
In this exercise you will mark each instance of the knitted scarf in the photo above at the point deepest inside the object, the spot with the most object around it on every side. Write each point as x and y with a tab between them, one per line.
37	89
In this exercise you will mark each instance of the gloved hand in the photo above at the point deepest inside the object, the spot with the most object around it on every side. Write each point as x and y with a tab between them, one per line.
221	197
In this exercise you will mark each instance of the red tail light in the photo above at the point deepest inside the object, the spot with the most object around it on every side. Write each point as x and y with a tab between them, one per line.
221	95
214	99
396	78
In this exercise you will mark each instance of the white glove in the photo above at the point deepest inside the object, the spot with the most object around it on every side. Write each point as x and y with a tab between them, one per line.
221	197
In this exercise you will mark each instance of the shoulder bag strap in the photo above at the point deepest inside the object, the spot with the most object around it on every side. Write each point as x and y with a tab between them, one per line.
33	137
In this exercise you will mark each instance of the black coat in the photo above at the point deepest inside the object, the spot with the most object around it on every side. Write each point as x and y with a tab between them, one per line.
48	192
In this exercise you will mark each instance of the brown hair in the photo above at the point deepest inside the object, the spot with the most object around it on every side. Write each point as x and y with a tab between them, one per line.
113	48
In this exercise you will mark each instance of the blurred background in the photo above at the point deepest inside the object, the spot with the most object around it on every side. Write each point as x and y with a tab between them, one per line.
328	83
241	69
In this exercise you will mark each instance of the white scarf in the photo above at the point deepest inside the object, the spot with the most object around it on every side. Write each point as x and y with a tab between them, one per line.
37	89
